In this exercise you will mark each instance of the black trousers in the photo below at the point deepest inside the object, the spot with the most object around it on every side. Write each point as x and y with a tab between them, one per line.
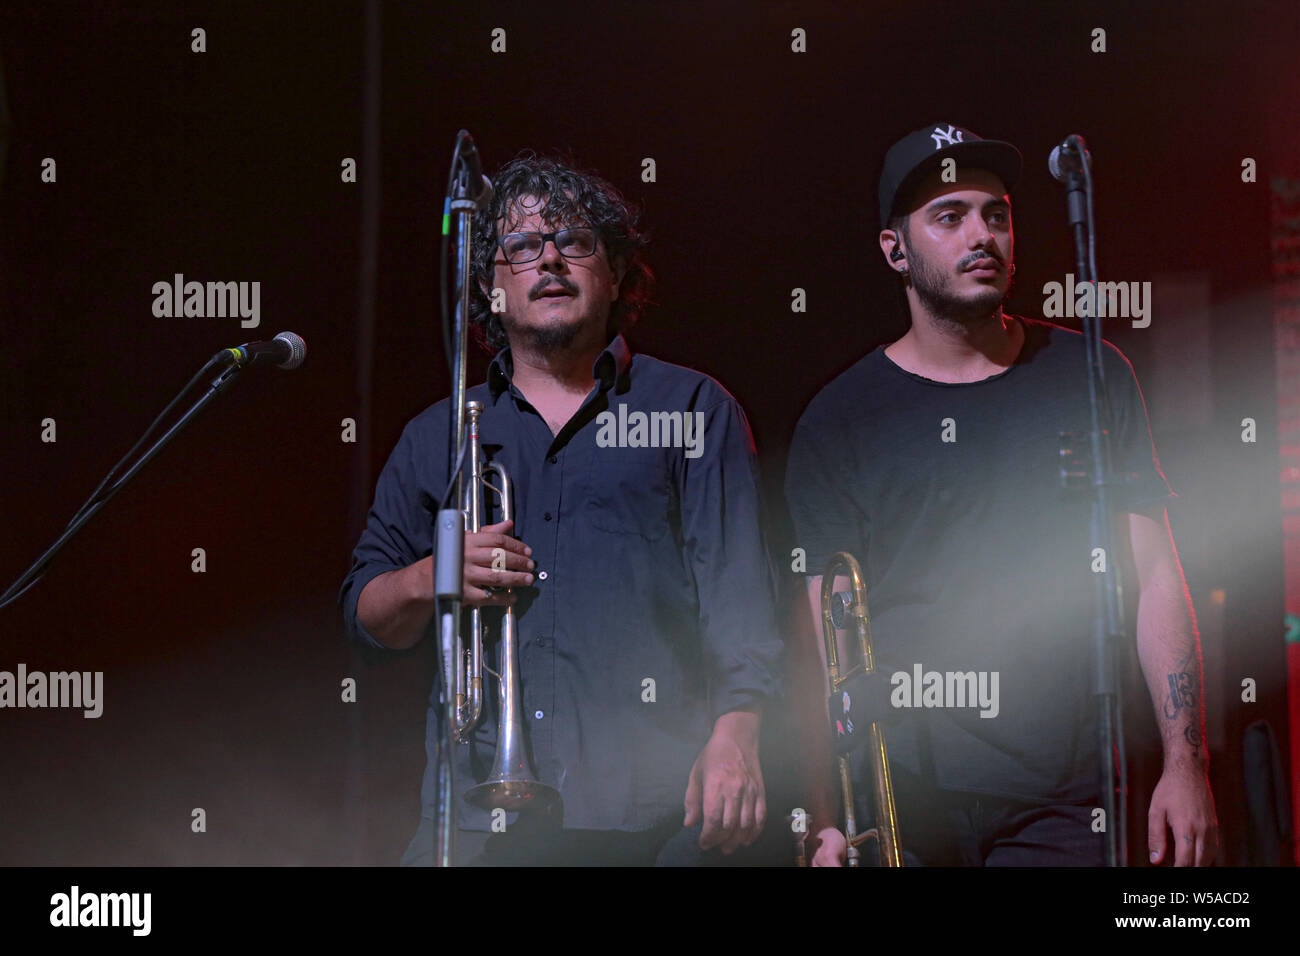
536	841
951	828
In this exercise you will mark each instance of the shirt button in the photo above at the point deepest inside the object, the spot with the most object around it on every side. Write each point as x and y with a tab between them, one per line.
538	714
547	516
541	642
541	575
552	459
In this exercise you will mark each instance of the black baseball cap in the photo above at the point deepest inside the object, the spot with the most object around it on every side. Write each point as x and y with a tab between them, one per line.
916	154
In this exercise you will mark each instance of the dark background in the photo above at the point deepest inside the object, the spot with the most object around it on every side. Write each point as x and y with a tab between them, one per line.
222	689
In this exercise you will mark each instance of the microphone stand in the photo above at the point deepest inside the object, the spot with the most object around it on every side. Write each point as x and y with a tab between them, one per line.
464	197
98	500
1108	630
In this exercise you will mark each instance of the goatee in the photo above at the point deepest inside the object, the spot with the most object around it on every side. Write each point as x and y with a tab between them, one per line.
544	340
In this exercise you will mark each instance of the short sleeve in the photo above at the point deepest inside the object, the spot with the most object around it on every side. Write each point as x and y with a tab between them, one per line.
825	517
1133	452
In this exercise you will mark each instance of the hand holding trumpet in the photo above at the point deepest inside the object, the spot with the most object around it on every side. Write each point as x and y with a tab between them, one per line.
494	561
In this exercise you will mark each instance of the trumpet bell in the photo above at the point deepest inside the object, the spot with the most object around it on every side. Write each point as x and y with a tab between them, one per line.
511	794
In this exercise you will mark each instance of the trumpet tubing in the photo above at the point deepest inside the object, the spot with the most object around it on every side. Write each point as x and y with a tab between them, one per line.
511	784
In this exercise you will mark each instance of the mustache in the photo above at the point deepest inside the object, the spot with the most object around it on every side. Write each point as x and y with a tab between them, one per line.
974	257
550	283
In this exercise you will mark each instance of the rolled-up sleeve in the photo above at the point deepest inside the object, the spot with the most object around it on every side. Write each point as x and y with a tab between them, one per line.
725	546
398	532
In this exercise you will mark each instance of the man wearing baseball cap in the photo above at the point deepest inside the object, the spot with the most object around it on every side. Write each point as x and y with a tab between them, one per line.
935	461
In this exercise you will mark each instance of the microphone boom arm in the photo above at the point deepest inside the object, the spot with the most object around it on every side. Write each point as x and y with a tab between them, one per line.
101	498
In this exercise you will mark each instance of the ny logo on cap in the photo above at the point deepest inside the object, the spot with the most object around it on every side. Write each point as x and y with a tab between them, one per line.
950	136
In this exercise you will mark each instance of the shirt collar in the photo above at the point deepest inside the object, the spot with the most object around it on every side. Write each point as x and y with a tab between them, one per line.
610	367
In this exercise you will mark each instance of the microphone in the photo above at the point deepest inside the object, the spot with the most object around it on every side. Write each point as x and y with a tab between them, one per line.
286	351
1071	165
1068	157
479	187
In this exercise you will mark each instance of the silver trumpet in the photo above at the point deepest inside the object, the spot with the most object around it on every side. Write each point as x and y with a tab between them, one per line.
511	785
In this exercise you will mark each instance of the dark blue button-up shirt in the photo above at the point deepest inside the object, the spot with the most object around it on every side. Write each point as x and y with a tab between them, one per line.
652	610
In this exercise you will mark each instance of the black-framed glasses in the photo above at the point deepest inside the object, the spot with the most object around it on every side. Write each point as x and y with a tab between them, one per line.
576	242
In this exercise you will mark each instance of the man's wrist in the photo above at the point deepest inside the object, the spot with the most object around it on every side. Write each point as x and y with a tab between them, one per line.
1183	761
741	724
1186	764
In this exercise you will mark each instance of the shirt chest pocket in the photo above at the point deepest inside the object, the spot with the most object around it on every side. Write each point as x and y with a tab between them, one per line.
630	491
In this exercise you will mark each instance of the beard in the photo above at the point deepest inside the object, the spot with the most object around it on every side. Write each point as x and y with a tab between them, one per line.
935	290
543	340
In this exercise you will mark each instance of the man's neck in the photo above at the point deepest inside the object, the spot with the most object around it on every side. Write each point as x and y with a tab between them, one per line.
949	351
555	372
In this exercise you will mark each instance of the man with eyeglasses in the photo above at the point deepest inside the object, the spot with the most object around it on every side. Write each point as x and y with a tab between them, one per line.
635	564
935	461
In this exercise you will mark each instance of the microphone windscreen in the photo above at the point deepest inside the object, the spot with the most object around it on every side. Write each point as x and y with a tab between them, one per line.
1054	165
297	350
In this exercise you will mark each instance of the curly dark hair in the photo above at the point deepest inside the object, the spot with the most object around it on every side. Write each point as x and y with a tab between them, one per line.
571	196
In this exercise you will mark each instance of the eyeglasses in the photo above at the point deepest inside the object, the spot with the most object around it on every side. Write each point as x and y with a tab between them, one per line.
577	242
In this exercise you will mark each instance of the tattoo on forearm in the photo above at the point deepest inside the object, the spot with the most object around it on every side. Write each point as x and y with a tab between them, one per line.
1193	738
1182	695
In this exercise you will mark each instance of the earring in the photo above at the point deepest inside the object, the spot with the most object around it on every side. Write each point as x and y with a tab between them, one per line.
1011	271
903	272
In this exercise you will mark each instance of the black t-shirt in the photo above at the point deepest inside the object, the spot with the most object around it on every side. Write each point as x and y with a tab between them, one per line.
976	558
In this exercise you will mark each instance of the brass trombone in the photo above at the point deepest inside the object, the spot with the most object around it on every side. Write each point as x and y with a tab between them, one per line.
854	606
511	785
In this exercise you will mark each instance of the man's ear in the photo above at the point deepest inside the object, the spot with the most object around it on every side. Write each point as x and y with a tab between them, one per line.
891	243
618	268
